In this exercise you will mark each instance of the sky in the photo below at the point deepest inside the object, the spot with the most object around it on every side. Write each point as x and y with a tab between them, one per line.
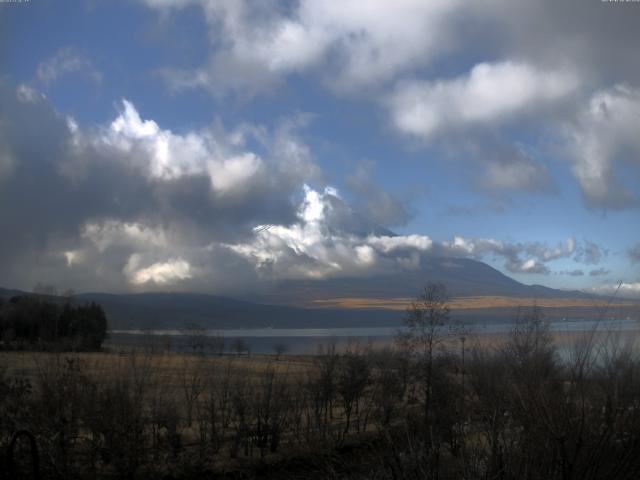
215	146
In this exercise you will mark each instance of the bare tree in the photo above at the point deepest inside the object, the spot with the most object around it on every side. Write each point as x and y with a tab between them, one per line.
217	408
427	325
270	401
240	346
280	349
196	337
353	378
217	344
389	384
192	382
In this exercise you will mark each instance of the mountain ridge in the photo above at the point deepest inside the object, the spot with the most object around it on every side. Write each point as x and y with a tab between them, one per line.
290	303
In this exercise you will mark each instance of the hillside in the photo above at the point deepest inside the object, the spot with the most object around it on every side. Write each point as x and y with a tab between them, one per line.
463	277
479	292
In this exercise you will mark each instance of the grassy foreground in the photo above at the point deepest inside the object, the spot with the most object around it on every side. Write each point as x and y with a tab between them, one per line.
506	407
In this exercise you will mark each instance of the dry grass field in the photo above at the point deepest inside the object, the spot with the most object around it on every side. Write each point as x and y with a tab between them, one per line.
475	303
489	406
163	367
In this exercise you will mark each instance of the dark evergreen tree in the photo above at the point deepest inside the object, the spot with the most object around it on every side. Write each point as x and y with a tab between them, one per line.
31	321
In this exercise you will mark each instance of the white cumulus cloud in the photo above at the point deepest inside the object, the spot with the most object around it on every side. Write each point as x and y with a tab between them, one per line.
358	45
160	273
622	289
490	93
66	61
313	247
169	156
604	136
114	233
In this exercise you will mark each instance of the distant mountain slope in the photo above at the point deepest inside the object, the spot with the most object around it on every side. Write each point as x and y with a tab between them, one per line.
176	310
6	293
287	304
463	278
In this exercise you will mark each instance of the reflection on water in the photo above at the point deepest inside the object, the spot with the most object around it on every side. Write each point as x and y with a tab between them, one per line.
307	340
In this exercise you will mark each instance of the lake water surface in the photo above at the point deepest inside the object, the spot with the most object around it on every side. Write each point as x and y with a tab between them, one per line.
307	340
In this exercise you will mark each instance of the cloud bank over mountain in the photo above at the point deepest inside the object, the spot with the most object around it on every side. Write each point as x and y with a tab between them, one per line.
130	204
217	146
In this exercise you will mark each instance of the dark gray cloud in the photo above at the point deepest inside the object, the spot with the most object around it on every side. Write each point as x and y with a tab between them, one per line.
599	272
132	206
82	204
497	207
634	253
353	49
520	257
589	253
573	273
501	168
371	200
513	170
597	38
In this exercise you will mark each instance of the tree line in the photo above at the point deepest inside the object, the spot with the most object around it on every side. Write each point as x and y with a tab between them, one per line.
46	323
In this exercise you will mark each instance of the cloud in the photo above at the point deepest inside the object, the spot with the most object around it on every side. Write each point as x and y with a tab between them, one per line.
599	272
545	253
165	157
573	273
91	197
6	160
593	38
131	205
351	46
530	257
315	246
27	94
491	93
510	169
66	61
622	289
161	273
496	208
451	72
520	175
388	244
255	44
602	139
318	246
169	156
529	266
466	115
113	233
634	253
378	205
589	254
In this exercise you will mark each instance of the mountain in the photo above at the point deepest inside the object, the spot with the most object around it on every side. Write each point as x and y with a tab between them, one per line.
348	302
164	310
463	277
176	310
6	293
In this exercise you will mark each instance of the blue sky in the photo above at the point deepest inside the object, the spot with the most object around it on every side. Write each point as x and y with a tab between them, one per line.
504	132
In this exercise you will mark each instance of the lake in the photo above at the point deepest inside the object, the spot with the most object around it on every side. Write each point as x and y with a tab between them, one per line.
307	340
